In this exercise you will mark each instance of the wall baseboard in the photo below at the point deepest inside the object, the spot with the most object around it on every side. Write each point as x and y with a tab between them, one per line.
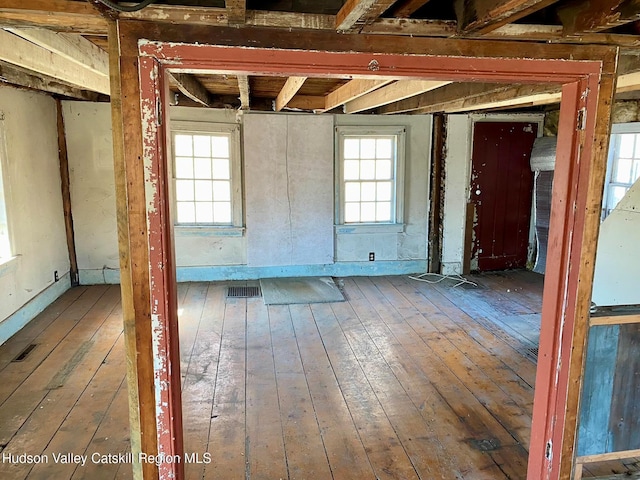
244	272
14	322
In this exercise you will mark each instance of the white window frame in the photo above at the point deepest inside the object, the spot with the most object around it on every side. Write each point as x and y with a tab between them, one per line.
5	199
616	129
237	211
397	223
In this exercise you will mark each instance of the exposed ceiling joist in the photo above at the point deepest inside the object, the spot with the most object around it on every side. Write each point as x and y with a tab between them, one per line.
355	13
23	78
352	90
72	47
191	87
243	86
236	11
306	102
288	91
18	51
484	16
392	93
597	15
406	8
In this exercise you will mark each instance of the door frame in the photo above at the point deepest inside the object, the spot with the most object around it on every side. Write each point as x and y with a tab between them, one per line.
142	53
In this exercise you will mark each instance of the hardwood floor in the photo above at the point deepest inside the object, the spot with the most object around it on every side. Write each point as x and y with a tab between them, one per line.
405	380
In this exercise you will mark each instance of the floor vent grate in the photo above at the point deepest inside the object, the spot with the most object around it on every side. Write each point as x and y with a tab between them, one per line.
24	353
532	353
243	292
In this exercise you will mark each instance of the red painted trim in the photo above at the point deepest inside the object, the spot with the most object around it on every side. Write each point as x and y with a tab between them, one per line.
566	225
327	64
164	310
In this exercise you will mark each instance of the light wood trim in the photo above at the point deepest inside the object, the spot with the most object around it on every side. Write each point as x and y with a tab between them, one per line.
307	102
191	87
243	86
392	93
482	17
355	12
23	53
352	90
288	91
607	457
236	11
72	47
614	320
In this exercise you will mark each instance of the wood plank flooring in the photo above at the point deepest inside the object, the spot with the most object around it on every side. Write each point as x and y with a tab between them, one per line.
404	380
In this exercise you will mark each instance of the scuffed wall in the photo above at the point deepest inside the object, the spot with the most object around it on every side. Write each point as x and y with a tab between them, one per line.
36	221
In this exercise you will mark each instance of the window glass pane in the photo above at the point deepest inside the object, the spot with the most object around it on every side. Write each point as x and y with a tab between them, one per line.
383	212
615	195
352	192
203	191
368	212
351	148
186	212
384	192
635	174
204	212
368	192
183	146
383	148
202	167
351	170
622	173
201	146
222	191
352	212
184	190
184	167
222	212
368	148
383	169
367	169
221	168
627	141
220	146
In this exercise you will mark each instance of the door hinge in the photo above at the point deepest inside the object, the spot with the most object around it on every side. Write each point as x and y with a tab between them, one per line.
582	119
158	112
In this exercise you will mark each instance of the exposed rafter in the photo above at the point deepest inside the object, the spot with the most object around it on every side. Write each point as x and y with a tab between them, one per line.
482	16
355	13
350	91
236	11
243	86
406	8
192	88
18	51
289	90
597	15
392	93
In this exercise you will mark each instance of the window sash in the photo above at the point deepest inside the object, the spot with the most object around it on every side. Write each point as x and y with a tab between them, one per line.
623	167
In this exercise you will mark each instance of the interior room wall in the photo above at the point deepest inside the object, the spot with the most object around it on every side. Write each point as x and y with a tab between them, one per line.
36	221
205	255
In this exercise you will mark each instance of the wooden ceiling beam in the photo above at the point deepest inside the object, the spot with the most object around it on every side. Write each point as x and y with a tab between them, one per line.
18	51
236	11
243	86
391	93
307	102
290	88
406	8
484	16
597	15
355	13
191	87
350	91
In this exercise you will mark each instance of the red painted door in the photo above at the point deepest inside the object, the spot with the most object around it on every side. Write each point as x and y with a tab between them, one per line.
501	189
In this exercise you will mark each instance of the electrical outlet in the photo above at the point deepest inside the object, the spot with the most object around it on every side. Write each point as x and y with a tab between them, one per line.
372	256
55	276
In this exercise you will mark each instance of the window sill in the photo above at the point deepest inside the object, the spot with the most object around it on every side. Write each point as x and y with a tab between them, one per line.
369	228
8	265
208	231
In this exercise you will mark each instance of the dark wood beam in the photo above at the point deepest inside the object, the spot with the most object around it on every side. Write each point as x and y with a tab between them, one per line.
597	15
191	87
406	8
236	11
355	13
484	16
